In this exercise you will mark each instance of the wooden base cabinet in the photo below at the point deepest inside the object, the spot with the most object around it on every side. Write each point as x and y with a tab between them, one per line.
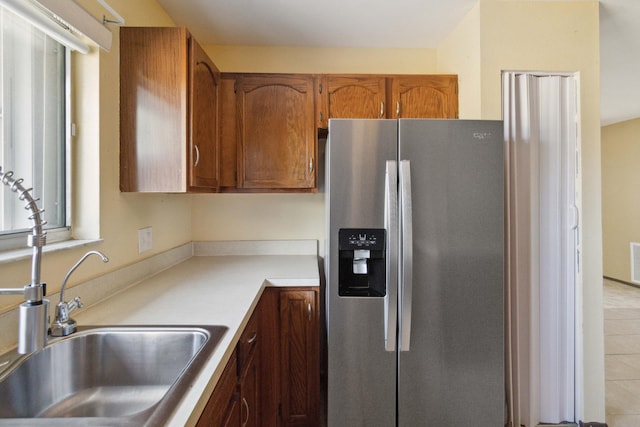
291	358
249	372
250	392
235	401
299	358
223	407
273	376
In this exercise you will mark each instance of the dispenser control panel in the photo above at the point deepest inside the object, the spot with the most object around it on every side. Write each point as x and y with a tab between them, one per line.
361	238
361	262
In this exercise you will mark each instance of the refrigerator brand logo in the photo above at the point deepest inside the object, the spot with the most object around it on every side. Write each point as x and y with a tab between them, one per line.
482	135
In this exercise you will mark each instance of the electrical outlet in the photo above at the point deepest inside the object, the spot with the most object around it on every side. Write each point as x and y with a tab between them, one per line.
145	239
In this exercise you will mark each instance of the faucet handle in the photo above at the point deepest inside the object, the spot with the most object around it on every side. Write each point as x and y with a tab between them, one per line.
73	304
63	325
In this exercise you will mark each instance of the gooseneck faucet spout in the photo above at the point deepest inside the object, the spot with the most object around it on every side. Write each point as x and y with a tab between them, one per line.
63	325
34	311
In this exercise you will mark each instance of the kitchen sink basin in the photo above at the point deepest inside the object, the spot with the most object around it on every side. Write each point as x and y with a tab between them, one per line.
107	376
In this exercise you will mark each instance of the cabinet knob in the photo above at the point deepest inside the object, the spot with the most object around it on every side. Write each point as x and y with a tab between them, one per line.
397	108
311	165
381	108
309	311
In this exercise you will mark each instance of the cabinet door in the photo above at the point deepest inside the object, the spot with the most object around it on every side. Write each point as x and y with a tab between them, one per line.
205	79
300	348
426	96
153	67
276	132
353	97
270	357
232	418
223	407
250	392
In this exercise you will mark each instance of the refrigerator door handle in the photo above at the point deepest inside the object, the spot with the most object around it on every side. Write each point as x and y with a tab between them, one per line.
391	225
406	255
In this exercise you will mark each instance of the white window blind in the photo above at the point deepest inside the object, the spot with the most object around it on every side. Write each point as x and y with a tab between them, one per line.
33	113
64	20
28	11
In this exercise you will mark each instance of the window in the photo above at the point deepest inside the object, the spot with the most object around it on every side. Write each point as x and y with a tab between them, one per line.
33	125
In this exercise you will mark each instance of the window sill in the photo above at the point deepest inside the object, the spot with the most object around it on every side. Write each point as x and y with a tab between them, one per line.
26	253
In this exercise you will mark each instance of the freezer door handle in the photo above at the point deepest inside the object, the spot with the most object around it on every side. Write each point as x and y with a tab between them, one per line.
406	255
391	225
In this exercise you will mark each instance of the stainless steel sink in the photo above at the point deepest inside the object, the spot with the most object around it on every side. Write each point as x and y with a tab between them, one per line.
107	376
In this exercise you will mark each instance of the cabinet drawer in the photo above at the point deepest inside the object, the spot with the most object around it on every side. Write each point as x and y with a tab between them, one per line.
248	341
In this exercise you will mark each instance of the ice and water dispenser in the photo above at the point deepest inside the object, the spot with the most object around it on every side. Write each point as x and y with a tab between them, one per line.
362	266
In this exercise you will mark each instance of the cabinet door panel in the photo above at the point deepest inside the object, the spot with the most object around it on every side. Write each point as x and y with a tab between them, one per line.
250	392
424	97
299	358
270	357
205	79
233	415
355	97
153	66
224	404
277	140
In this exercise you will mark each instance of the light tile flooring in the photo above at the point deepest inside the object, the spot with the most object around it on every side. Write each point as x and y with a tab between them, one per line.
622	354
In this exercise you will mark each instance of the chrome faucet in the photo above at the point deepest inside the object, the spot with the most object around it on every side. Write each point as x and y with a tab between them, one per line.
34	311
63	325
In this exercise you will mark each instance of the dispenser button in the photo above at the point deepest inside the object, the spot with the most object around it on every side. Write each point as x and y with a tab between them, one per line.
359	266
360	257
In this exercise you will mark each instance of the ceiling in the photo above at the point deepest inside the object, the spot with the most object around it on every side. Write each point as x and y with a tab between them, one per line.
400	24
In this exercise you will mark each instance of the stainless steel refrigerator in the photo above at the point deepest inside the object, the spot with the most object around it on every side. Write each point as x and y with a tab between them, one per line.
414	266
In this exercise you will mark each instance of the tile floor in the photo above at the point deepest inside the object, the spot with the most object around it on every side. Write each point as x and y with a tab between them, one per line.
622	354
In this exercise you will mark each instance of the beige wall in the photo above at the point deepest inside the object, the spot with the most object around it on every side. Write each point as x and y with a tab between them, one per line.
495	36
271	59
559	36
460	54
289	216
99	209
620	201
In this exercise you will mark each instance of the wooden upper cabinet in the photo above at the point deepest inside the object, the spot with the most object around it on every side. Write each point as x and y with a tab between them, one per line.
168	112
269	123
351	97
276	134
423	96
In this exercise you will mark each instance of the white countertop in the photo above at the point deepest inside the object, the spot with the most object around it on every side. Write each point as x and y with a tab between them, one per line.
203	290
